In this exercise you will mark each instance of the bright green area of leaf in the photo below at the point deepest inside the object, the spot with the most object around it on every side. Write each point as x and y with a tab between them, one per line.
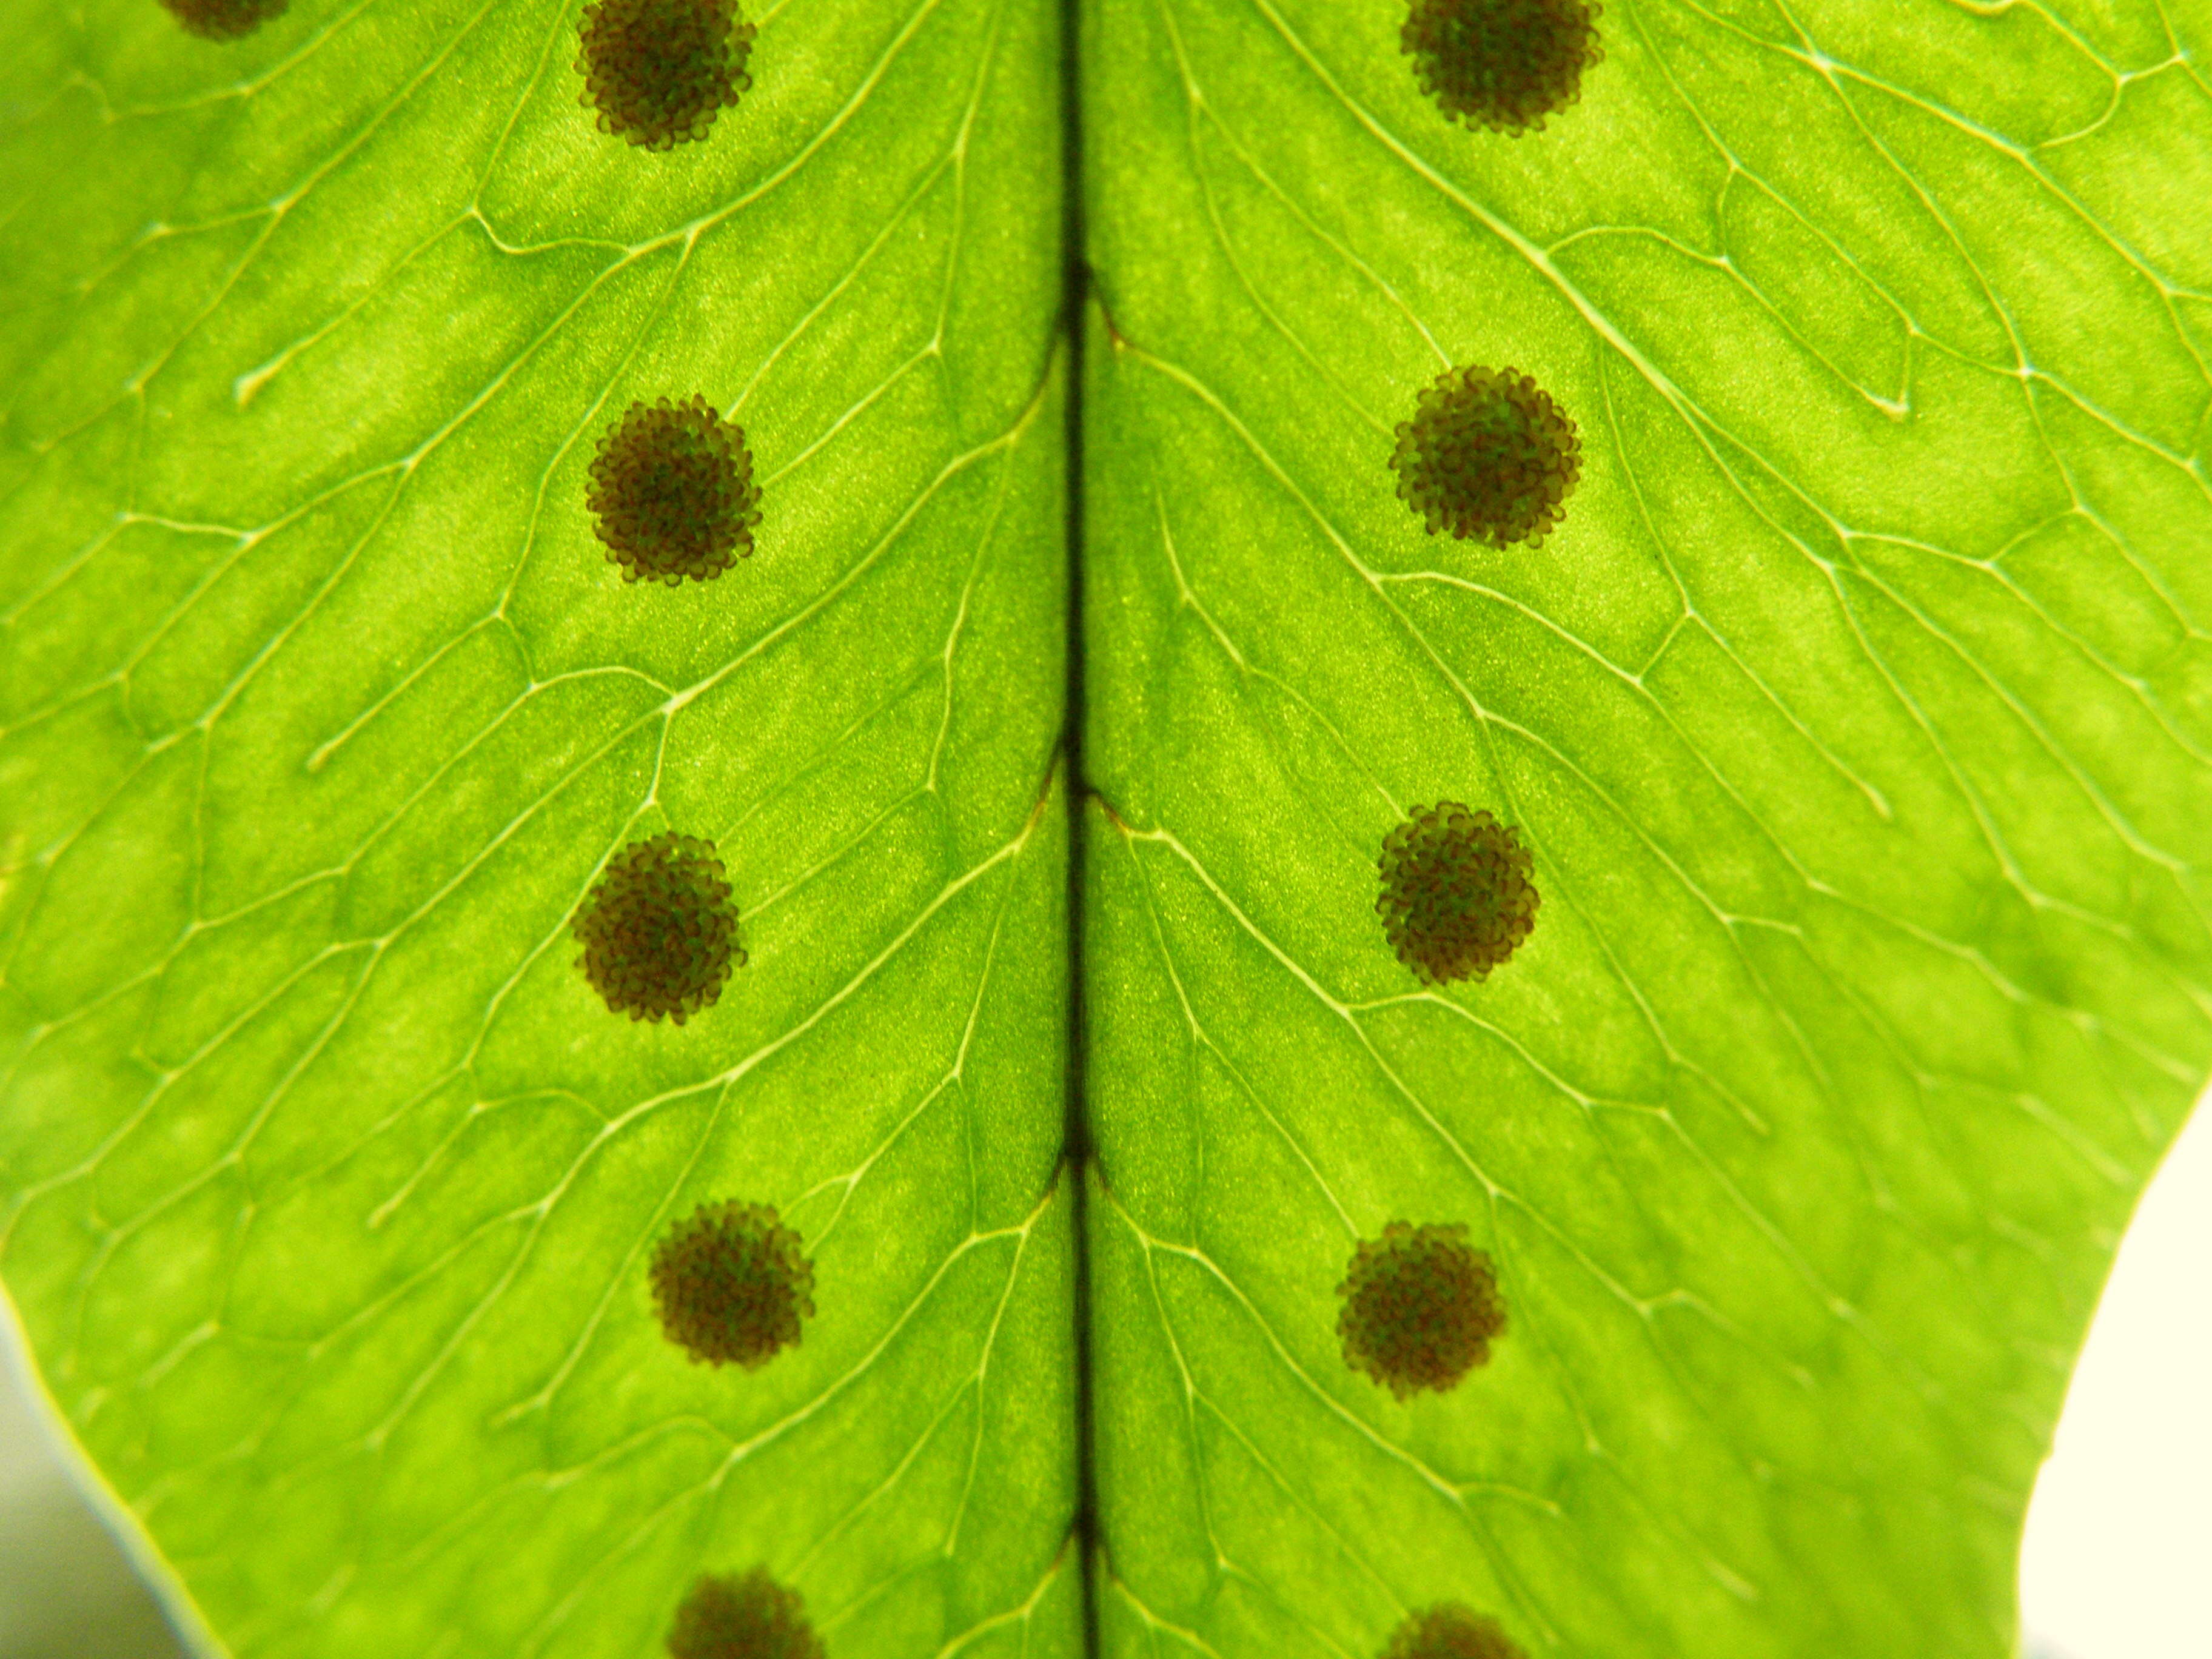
1859	717
329	1183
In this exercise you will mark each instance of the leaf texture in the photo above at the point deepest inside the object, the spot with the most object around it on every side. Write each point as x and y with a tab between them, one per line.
331	1185
1856	716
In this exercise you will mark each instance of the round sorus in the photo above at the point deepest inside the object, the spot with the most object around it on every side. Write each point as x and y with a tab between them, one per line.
751	1617
658	930
659	72
1489	457
223	19
1421	1307
1504	64
1449	1630
730	1285
1458	892
672	493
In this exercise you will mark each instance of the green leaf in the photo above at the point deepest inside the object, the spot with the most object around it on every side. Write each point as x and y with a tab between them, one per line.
330	1184
1858	717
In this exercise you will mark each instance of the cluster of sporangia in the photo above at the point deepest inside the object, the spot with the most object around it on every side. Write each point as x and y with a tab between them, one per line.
730	1285
751	1617
1458	894
223	19
1449	1630
1421	1307
672	493
659	932
1504	64
1488	456
659	72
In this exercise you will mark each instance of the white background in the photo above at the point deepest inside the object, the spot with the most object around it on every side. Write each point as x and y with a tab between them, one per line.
2119	1538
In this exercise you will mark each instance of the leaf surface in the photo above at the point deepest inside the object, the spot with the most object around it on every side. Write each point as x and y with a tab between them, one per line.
330	1184
1856	717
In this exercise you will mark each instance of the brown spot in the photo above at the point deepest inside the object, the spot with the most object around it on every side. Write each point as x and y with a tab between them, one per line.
223	19
1504	64
1489	457
1421	1307
672	493
659	72
1448	1630
731	1286
751	1617
1458	892
659	931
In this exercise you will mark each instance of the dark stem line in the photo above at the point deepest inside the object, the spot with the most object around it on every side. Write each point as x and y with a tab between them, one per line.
1075	281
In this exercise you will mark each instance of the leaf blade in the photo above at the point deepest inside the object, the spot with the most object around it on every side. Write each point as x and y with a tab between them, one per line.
1864	995
330	1183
